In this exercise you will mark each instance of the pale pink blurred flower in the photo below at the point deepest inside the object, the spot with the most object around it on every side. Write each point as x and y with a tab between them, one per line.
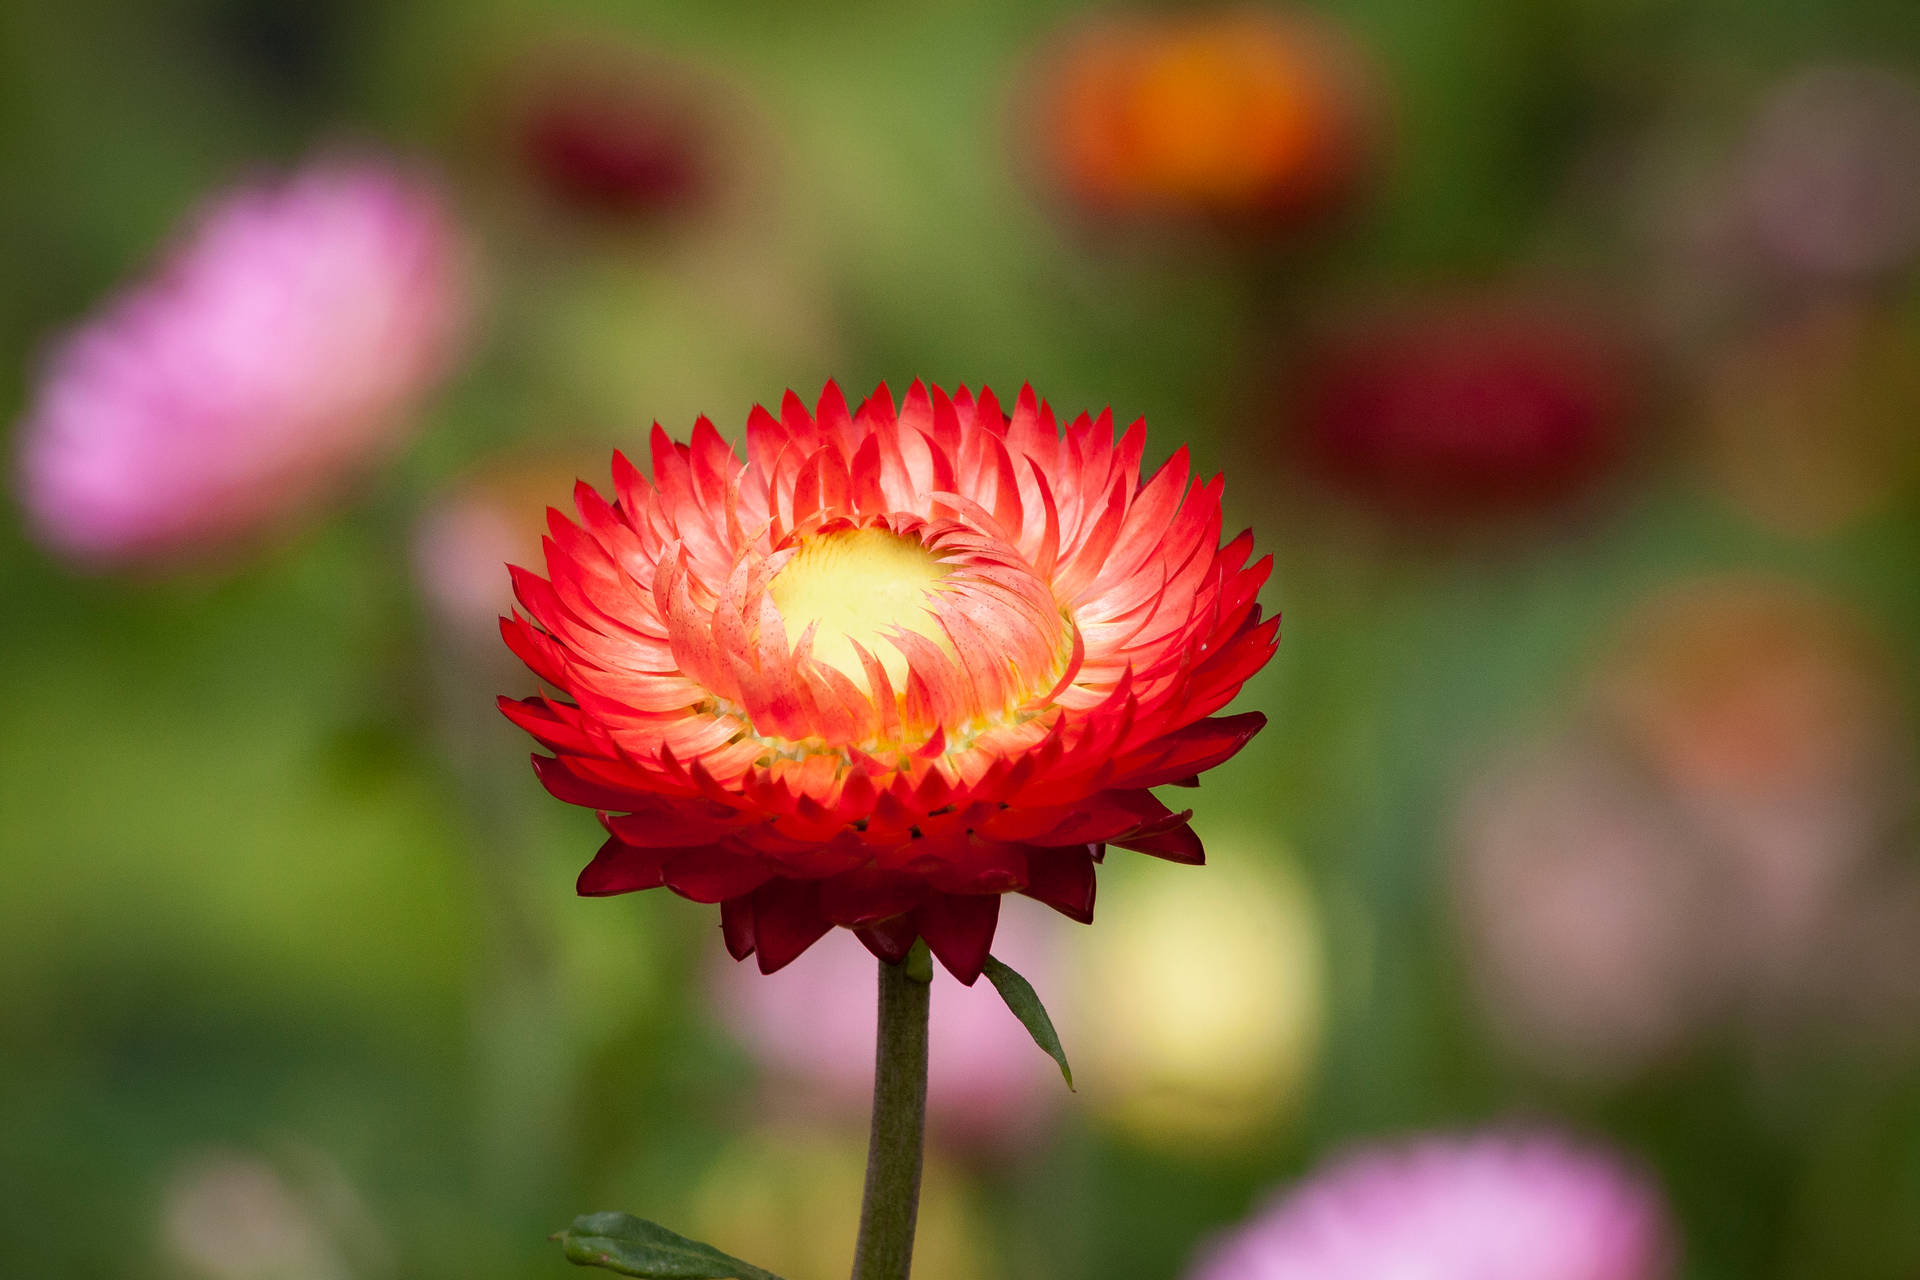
1832	171
988	1085
493	516
238	1215
278	351
1770	714
1590	916
1479	1207
1712	842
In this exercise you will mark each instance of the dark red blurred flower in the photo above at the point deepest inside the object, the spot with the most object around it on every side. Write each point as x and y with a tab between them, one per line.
1234	115
614	137
1466	409
892	666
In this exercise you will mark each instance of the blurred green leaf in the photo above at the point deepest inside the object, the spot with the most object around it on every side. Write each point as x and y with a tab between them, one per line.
635	1247
1025	1003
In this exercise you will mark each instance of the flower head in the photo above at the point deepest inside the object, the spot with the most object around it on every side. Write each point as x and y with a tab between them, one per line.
1521	1207
893	665
1232	115
491	515
1202	1001
1467	408
1831	173
614	133
276	352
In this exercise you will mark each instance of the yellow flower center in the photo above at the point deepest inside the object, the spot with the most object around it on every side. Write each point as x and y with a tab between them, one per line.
857	585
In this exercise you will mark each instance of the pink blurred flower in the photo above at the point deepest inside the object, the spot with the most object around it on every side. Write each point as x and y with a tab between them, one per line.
1772	716
490	517
811	1025
277	352
1832	172
1591	918
1713	841
1488	1207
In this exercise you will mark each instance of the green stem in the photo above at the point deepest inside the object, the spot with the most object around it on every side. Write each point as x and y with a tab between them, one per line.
892	1200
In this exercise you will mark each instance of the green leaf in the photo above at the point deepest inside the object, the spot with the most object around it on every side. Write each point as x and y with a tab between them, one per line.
1026	1006
919	962
635	1247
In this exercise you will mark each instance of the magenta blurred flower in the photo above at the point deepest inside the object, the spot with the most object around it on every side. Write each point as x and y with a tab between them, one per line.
1832	171
811	1024
277	352
1489	1207
1467	408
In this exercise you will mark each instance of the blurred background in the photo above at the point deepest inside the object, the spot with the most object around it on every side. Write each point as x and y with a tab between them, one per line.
1565	355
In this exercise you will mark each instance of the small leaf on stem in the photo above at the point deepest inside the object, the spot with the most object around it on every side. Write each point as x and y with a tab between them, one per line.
633	1246
919	962
1021	998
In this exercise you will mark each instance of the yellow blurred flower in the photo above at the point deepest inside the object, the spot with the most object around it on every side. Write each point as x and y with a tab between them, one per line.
788	1198
1201	999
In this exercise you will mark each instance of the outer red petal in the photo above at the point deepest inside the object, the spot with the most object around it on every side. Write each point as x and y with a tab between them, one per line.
890	940
1193	750
959	930
736	926
868	896
786	921
620	868
1064	880
1177	845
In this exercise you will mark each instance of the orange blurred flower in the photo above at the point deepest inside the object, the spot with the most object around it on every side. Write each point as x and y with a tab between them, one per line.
1232	114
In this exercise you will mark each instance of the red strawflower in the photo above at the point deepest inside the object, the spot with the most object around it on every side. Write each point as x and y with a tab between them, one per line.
894	665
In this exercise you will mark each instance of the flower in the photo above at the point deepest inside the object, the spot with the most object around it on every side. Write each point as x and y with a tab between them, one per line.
1203	1001
1772	715
988	1089
1808	421
1234	114
277	352
1713	840
1593	920
240	1215
1831	172
612	133
1532	1206
894	665
488	516
1465	408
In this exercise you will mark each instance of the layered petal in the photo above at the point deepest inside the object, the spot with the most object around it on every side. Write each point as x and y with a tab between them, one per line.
893	663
